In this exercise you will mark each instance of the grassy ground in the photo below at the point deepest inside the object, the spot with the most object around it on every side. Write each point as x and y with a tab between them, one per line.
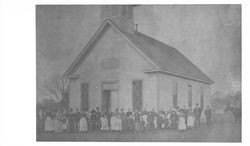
222	130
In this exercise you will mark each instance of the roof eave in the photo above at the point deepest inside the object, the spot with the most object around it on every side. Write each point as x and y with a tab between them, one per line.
180	75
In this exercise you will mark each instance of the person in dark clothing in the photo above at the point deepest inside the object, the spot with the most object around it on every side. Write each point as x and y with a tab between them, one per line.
129	113
129	122
185	111
150	120
208	114
71	121
88	114
137	121
93	121
174	120
160	120
144	122
108	115
40	120
77	116
98	119
197	115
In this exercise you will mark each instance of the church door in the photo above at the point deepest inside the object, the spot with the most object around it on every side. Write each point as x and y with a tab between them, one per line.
106	100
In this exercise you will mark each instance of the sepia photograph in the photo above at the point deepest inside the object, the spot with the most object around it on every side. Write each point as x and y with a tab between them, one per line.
138	73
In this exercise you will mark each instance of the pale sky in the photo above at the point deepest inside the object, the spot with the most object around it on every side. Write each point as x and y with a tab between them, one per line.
208	35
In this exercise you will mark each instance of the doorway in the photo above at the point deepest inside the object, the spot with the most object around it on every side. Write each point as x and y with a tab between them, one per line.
110	99
106	100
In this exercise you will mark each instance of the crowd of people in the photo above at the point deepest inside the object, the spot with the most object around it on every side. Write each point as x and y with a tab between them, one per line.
137	121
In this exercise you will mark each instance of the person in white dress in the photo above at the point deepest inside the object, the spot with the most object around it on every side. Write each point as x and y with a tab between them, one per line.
113	125
104	122
155	122
83	123
119	123
65	124
145	120
168	118
182	122
49	123
118	120
46	124
58	123
163	119
190	119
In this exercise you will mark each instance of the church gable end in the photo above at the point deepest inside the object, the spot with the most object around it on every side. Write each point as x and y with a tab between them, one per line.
110	52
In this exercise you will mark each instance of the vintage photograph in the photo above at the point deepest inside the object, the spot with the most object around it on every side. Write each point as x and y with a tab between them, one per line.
138	73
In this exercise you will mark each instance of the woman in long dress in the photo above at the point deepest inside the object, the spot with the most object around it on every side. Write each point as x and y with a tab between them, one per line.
144	119
174	120
119	123
137	121
40	121
104	122
113	125
190	119
83	123
182	122
49	125
129	122
58	123
150	120
46	123
65	124
168	120
155	122
71	122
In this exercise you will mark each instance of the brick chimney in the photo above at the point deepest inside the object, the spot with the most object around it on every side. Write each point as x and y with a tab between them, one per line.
121	15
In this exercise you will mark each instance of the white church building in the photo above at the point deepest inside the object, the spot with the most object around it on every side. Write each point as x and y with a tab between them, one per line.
123	68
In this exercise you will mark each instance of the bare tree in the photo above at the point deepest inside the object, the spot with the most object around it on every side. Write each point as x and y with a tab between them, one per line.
57	89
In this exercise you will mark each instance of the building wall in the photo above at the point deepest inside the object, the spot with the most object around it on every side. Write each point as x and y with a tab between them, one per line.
112	58
74	93
166	91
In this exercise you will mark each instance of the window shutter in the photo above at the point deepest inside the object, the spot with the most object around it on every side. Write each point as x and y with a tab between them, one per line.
190	96
137	95
202	98
84	96
175	94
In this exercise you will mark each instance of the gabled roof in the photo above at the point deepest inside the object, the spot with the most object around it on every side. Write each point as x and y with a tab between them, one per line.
166	59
